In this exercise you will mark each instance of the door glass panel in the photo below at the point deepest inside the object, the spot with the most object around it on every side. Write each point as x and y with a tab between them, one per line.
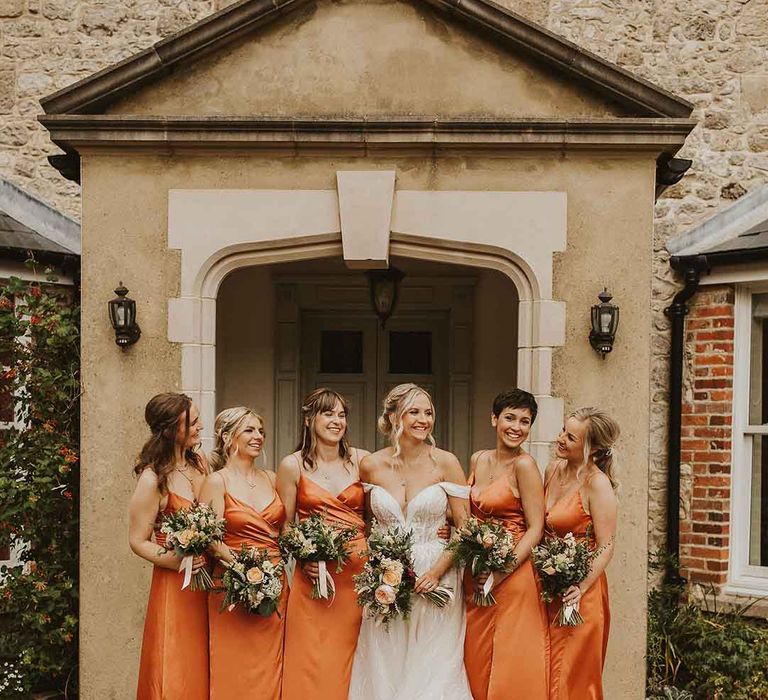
341	352
410	352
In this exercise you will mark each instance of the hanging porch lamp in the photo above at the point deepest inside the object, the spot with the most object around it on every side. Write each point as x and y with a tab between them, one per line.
605	321
122	315
385	289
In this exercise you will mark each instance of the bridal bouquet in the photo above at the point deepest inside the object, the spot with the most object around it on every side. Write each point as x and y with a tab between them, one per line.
385	586
315	539
562	562
253	582
189	532
486	546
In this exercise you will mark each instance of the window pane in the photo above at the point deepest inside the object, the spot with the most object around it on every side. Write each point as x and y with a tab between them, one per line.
758	415
410	352
758	539
341	352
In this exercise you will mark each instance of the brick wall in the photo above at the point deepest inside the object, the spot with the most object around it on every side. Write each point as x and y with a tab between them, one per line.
706	436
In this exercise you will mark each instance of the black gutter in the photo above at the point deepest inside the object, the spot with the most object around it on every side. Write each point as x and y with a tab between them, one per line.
691	267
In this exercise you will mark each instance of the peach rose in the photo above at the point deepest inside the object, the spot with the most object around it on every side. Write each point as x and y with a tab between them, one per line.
549	570
392	577
489	540
385	595
254	575
184	537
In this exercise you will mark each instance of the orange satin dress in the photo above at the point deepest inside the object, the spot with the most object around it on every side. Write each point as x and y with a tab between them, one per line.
320	639
577	654
247	649
505	647
174	652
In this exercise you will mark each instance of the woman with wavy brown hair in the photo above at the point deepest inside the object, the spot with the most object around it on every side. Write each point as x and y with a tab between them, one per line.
174	652
322	475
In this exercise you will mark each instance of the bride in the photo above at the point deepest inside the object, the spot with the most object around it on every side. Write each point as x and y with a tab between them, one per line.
411	484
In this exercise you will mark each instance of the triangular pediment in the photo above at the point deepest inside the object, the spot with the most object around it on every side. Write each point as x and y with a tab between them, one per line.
367	58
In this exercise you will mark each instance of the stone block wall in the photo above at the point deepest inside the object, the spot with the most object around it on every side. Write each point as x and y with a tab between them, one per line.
706	436
712	52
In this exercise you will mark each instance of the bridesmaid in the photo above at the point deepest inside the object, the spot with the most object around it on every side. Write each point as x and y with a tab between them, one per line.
246	649
580	498
323	475
174	652
506	485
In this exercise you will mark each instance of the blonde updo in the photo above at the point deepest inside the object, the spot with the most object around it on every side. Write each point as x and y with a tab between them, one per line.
600	435
227	426
390	422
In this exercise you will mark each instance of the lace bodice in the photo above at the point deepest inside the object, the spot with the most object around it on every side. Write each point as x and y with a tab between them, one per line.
424	514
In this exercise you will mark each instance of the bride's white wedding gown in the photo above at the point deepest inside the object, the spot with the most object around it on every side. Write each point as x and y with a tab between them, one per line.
421	658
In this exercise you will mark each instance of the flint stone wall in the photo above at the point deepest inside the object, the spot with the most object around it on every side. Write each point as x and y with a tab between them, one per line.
712	52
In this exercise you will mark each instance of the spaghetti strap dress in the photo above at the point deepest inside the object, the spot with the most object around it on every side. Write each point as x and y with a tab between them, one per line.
174	651
247	649
321	637
577	654
506	644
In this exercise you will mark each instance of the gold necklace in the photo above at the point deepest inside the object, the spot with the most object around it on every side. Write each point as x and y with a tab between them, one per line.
250	485
183	472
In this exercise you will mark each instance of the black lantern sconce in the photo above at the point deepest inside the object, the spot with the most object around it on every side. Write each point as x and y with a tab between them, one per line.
605	321
122	314
385	289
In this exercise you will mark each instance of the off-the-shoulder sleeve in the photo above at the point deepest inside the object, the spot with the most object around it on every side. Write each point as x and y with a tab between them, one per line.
455	490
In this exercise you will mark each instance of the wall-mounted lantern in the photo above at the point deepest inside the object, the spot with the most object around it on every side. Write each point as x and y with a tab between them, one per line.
122	314
385	289
605	321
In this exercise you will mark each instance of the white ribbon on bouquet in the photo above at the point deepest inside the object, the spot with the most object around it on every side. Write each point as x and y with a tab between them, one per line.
186	567
325	584
569	609
488	585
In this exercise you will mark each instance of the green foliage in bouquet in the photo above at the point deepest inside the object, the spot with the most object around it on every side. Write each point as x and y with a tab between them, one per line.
694	645
385	585
39	478
253	582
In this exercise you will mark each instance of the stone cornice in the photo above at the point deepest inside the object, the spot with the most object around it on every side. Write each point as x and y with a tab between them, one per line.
93	93
416	134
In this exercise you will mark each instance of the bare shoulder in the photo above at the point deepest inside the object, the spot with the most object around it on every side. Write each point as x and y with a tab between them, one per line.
373	462
360	453
551	467
214	481
474	460
449	465
204	462
148	480
525	464
289	466
599	485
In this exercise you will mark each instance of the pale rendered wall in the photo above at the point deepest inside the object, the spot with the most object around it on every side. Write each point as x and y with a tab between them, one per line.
124	235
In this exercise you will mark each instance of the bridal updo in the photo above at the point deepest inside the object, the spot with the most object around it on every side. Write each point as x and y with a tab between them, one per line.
600	435
227	426
390	422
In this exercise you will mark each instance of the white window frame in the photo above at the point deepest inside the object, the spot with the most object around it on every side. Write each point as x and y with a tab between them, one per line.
743	578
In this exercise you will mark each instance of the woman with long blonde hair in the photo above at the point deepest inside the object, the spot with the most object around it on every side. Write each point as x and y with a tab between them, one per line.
411	484
246	649
174	651
322	476
580	494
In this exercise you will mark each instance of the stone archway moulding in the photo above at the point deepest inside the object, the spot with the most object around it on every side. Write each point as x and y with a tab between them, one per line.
515	233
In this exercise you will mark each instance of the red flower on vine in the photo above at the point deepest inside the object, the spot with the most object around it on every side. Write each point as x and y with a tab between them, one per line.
68	495
36	292
35	320
5	303
9	373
